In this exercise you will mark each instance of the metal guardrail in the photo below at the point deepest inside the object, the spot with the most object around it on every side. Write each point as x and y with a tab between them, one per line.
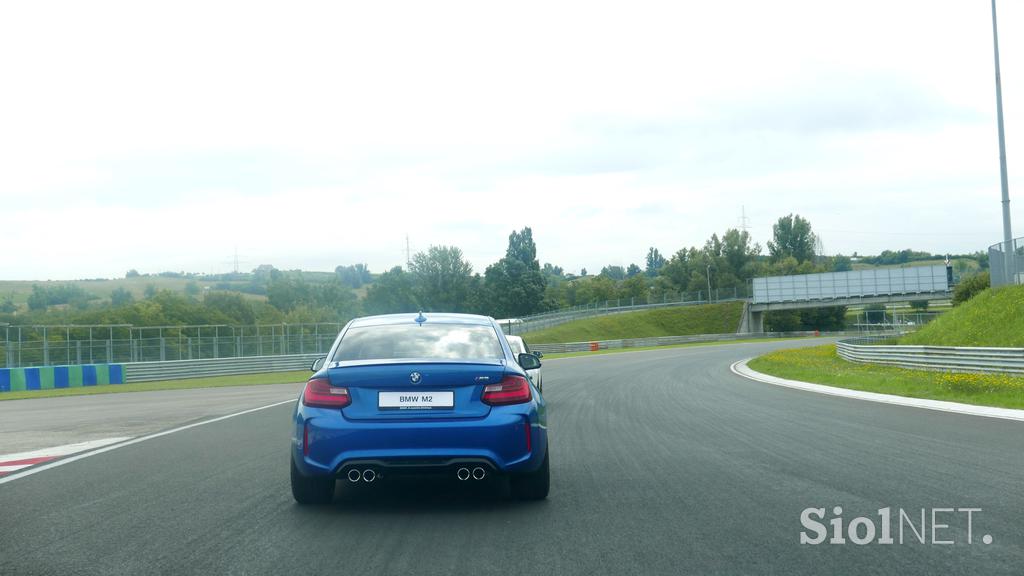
947	358
666	341
174	369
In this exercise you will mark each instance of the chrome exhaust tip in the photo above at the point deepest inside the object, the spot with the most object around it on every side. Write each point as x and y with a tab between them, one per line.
354	475
369	475
463	474
479	473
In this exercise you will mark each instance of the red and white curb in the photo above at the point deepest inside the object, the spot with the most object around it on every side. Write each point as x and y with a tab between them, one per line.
741	369
20	460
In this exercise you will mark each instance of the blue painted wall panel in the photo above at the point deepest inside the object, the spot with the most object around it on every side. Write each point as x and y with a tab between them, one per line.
116	374
89	375
60	377
32	379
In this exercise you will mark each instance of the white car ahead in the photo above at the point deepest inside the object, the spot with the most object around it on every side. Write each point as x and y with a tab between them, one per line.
519	346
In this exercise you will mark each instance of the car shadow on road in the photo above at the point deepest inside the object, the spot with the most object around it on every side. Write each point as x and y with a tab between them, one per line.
423	495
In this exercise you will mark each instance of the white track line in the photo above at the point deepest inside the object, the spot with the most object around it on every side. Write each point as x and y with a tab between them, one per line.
741	369
40	468
64	450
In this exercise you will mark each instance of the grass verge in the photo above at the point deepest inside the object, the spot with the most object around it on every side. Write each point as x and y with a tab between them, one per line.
211	382
995	317
685	320
821	365
556	355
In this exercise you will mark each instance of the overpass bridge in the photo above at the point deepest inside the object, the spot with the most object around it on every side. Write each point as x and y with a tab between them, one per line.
875	286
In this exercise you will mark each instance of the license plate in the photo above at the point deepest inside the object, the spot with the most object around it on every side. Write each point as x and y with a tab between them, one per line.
415	400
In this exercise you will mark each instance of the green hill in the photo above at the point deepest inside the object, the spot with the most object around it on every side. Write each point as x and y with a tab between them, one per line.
992	318
721	318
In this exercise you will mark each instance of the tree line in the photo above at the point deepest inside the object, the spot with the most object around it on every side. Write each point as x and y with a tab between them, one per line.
441	279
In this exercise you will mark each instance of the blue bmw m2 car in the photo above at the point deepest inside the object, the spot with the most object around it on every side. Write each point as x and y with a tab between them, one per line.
420	394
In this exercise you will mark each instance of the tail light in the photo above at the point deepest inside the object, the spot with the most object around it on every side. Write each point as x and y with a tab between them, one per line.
321	394
511	390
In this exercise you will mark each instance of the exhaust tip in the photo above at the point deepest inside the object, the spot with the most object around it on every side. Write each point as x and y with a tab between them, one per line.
369	475
463	474
479	473
354	475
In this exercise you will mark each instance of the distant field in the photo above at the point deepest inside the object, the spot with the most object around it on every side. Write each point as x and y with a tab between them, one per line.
968	265
721	318
21	289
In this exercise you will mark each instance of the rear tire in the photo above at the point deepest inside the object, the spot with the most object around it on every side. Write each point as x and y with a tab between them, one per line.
311	490
533	485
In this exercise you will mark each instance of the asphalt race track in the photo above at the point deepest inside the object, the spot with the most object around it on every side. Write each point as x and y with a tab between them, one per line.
663	462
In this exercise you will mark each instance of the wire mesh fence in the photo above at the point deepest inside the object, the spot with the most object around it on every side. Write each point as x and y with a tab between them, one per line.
98	344
1006	269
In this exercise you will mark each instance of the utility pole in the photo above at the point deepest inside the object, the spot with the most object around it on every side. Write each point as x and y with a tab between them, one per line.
1007	232
744	225
408	254
709	282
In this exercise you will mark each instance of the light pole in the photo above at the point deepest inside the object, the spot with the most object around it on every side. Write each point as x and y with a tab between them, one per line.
1007	233
709	282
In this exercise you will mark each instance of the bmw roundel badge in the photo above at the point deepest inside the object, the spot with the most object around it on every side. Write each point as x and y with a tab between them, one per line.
415	377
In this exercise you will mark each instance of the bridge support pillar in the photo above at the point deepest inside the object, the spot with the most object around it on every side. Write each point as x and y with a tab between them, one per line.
755	321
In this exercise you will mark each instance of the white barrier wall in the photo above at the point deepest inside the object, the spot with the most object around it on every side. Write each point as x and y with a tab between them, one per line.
855	284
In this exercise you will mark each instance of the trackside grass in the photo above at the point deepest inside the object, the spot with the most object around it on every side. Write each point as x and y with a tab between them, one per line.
821	365
556	355
994	317
212	382
721	318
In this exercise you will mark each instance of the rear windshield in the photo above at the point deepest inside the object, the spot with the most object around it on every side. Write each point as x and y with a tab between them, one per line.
396	342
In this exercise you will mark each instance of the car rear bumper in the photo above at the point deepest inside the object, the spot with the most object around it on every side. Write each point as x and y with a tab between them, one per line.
497	441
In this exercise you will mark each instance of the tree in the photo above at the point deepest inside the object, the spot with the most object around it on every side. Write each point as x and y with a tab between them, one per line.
522	248
513	290
192	289
515	285
150	291
792	237
121	296
613	272
442	279
655	261
583	271
595	289
841	263
633	270
551	270
967	288
38	299
7	305
231	304
738	252
392	293
133	273
354	276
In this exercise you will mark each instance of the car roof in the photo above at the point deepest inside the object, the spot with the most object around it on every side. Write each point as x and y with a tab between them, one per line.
431	318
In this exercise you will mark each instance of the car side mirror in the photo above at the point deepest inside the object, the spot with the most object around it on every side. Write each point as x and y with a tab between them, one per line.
529	361
318	363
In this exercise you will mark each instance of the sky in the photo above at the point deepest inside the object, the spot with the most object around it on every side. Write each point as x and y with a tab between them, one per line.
171	136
